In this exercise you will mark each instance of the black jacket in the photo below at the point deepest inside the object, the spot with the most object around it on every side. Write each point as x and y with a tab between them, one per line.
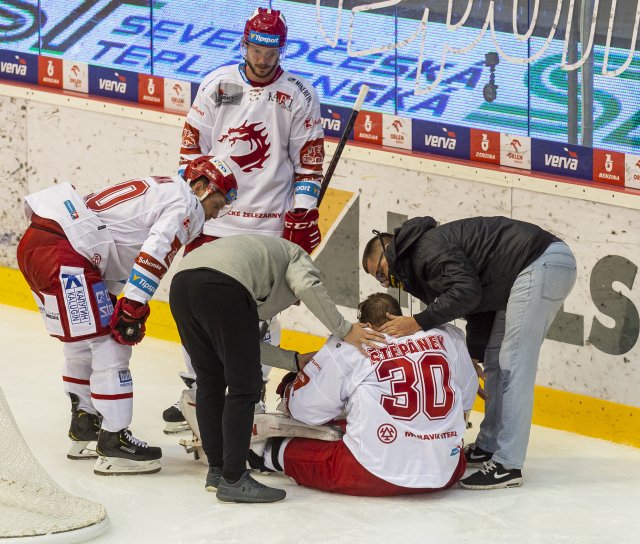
465	268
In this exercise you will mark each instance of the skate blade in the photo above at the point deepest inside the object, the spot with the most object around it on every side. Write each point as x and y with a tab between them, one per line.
118	466
82	449
174	427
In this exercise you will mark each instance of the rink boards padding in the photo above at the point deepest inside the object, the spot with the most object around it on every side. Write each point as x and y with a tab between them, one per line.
589	375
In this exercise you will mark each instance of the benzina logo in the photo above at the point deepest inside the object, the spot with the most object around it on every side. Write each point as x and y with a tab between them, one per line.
110	85
566	163
445	142
18	68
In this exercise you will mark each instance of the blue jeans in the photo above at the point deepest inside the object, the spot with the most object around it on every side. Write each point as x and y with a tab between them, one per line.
511	357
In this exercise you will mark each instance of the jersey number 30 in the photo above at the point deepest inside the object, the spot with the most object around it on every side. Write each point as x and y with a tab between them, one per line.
422	386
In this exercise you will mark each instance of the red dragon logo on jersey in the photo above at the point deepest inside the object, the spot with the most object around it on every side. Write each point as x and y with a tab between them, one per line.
259	146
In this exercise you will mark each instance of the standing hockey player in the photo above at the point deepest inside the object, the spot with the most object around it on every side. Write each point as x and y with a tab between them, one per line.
77	255
405	405
268	121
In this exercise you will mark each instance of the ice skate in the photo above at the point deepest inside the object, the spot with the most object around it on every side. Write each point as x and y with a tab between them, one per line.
174	421
121	453
83	432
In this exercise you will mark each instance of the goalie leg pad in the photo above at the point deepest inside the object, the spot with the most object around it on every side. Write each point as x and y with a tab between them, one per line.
272	425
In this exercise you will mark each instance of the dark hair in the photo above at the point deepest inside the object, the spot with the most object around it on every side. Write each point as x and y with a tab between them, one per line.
374	309
383	238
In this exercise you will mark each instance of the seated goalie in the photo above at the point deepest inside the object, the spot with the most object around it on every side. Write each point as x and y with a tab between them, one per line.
405	405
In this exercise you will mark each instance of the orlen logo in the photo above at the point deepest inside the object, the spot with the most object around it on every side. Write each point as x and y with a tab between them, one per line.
177	95
515	154
556	161
334	123
111	85
444	142
18	68
636	176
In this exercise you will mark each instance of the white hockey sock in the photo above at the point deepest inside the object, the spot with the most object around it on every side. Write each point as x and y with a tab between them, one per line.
275	448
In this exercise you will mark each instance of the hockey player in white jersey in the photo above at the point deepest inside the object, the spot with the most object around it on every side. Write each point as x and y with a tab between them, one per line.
77	255
405	405
268	121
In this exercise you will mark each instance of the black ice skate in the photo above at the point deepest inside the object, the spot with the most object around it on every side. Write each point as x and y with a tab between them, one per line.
122	453
83	432
174	421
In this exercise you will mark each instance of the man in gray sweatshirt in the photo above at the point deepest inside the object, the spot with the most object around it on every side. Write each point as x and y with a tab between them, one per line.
217	297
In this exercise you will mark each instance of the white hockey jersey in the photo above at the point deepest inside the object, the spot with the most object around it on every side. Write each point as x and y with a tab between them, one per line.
131	231
405	403
272	133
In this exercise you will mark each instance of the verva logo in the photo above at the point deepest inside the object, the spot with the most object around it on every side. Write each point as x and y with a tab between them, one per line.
443	142
569	162
119	86
333	123
17	68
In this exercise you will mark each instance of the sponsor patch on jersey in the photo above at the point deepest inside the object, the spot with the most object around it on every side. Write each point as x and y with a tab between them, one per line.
142	282
387	433
71	209
284	100
76	301
150	264
124	376
454	452
103	300
50	313
312	155
227	94
306	188
190	137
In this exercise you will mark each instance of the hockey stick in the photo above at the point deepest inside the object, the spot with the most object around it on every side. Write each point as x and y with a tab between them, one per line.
364	89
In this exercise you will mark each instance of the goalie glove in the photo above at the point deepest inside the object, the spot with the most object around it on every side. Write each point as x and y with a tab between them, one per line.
301	227
127	322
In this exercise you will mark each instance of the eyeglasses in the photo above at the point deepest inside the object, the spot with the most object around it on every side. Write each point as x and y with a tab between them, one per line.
379	275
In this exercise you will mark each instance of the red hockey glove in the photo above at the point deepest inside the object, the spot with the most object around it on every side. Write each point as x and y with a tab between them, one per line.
127	322
301	227
286	380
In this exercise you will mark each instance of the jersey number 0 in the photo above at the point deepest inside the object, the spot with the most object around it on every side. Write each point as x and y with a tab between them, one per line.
417	386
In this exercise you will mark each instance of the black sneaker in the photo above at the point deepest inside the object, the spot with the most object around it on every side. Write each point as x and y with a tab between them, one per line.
248	490
174	420
213	478
492	475
476	456
84	428
122	453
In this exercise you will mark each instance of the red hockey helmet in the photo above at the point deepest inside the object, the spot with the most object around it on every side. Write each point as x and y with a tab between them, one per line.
266	27
218	175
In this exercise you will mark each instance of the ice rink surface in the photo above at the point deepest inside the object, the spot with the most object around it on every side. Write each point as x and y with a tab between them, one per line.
576	490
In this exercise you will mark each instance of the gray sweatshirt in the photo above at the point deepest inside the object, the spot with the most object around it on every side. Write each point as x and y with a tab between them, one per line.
277	273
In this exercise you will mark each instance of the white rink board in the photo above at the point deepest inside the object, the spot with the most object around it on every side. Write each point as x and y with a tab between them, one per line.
91	143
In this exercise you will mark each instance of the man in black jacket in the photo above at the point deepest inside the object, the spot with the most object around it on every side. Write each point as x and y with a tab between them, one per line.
508	279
